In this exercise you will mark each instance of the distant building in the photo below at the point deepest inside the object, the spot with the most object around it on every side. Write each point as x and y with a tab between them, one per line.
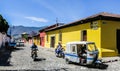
36	39
24	37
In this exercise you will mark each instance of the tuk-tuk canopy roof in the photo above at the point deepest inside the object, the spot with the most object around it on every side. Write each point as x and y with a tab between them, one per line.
80	42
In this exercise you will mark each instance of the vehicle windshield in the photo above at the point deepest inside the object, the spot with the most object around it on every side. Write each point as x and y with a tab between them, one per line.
91	47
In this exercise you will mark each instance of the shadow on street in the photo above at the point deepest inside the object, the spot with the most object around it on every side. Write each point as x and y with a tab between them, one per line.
98	66
5	56
40	59
63	69
16	49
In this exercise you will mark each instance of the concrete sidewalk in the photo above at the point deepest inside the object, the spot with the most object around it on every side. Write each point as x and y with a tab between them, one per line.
110	59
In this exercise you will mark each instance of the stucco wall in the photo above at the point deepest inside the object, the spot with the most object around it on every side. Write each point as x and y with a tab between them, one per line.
108	38
73	33
3	39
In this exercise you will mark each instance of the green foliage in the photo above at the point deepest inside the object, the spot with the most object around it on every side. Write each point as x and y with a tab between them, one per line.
3	25
25	36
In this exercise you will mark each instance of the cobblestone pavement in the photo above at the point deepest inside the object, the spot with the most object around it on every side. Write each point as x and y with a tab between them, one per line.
21	60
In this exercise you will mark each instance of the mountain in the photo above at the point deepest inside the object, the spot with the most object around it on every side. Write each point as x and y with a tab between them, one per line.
16	30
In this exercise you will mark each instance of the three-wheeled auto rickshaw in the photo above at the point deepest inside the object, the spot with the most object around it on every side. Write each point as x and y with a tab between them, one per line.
82	52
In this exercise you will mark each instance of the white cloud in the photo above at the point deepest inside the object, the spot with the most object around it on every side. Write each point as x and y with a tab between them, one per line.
48	6
37	19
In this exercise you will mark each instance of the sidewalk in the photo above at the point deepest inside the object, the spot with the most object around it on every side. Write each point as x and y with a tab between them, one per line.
110	59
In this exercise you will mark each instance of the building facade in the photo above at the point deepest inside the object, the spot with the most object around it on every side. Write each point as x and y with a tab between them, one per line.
43	33
36	39
102	28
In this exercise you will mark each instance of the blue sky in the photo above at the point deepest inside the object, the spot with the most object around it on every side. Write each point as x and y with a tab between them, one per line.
39	13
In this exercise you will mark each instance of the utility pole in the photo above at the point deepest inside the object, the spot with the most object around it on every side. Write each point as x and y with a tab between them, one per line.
11	31
57	22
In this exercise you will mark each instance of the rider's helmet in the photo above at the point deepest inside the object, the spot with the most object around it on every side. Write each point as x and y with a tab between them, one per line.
59	42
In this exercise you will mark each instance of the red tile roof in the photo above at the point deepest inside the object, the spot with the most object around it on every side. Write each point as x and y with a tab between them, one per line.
51	26
102	16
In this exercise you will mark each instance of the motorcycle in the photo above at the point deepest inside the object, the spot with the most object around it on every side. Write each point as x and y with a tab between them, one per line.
34	54
59	53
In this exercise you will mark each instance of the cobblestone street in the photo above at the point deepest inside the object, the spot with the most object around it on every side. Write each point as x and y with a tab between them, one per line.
21	60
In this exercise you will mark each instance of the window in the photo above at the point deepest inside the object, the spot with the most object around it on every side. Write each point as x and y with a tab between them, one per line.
73	49
92	47
94	25
60	36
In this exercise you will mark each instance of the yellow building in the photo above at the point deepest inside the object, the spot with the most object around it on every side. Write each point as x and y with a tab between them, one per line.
102	28
36	40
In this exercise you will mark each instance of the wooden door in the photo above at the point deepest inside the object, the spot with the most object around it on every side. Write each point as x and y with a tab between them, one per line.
118	40
52	42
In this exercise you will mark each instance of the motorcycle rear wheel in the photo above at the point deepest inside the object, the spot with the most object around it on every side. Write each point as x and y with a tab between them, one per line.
34	57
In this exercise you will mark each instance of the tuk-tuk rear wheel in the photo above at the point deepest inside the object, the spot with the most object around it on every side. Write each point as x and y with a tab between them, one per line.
67	61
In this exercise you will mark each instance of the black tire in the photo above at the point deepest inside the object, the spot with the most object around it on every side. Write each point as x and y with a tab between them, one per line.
56	55
34	57
67	61
63	56
101	66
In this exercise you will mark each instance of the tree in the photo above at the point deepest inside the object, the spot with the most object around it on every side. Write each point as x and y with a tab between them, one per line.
3	25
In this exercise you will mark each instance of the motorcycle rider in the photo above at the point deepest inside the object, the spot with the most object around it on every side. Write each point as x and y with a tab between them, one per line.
34	48
59	48
83	53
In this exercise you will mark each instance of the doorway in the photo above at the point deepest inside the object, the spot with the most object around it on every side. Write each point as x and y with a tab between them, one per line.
118	40
52	43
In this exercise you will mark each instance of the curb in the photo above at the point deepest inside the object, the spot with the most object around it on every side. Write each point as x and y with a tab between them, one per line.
109	61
